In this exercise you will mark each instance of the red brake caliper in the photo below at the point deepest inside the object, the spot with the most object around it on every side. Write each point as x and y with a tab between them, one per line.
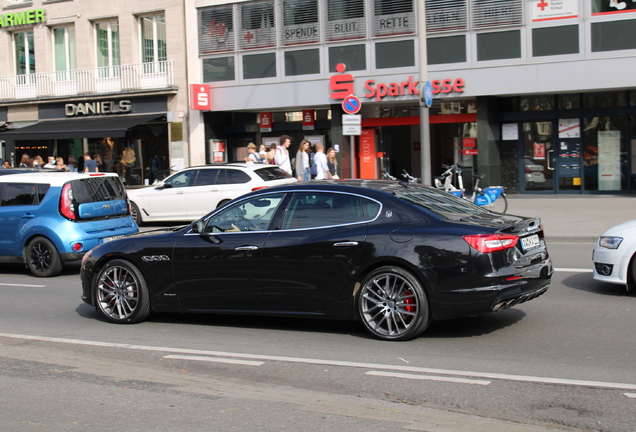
409	301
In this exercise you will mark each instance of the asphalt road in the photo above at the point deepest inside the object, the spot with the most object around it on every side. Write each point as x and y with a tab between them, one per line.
566	360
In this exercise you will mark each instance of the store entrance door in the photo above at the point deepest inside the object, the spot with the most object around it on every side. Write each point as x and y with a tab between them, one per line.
566	162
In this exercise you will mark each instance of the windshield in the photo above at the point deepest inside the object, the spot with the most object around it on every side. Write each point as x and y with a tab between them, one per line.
443	204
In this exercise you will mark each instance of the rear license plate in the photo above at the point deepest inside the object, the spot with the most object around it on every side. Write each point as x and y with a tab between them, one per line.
107	239
530	242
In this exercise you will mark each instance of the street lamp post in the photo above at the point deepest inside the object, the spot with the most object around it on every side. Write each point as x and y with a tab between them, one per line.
425	133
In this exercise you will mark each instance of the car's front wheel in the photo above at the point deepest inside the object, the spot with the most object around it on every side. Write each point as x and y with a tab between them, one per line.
392	304
121	293
42	258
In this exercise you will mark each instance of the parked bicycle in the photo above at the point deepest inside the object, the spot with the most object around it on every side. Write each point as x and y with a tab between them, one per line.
493	197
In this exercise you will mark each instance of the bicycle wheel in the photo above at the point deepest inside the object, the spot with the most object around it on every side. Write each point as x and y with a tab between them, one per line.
500	205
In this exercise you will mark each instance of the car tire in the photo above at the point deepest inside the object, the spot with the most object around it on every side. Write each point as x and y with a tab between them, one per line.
392	304
42	258
121	293
135	213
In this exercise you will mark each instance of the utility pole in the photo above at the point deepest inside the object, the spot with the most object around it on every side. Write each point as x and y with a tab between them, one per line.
425	132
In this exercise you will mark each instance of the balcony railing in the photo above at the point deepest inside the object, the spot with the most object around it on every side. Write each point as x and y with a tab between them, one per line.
95	81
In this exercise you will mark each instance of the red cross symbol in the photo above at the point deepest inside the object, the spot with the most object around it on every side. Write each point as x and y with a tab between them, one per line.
542	4
248	36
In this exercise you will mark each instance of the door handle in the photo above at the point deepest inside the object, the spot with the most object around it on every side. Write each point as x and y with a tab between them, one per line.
548	160
246	248
345	244
180	193
28	216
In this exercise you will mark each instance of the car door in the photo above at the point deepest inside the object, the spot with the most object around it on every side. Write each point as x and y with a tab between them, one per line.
167	201
18	206
218	265
203	195
233	182
309	261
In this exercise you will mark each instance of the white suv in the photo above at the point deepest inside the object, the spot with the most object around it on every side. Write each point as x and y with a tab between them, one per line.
196	191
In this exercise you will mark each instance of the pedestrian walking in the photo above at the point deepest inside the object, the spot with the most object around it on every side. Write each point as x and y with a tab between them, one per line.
89	164
321	162
302	161
332	163
282	154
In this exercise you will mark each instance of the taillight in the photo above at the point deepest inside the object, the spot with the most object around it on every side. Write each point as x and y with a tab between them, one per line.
67	208
258	188
486	243
528	170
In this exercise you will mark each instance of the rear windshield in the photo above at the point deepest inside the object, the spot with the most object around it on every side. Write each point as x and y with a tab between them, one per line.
443	204
97	189
272	173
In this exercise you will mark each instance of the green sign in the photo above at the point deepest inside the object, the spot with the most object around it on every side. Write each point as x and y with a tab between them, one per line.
11	19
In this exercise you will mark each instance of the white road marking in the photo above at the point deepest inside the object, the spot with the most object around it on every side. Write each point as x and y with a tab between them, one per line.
214	359
427	377
630	395
23	285
573	270
521	378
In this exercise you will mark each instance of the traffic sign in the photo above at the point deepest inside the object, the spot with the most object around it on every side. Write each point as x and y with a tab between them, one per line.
351	104
351	129
428	94
351	119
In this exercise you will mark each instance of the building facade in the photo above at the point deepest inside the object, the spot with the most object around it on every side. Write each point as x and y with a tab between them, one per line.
107	78
536	94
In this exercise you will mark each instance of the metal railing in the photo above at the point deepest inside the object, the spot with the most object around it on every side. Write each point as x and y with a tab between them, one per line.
94	81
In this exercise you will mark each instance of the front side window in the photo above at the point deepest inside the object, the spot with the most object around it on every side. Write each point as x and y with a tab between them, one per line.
24	53
107	37
153	38
181	179
254	214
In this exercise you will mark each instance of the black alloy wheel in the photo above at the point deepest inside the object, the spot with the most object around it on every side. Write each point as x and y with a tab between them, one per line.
392	304
42	258
121	293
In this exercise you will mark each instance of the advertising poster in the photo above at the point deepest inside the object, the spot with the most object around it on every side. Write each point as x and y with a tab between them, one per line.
569	128
367	154
547	10
509	132
539	151
609	163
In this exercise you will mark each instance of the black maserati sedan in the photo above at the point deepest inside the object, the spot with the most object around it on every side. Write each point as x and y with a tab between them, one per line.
391	254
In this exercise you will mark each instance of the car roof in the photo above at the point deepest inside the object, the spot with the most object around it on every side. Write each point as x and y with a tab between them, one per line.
8	171
244	165
54	178
371	188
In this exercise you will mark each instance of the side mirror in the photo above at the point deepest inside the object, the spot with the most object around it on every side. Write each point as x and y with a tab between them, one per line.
199	226
162	185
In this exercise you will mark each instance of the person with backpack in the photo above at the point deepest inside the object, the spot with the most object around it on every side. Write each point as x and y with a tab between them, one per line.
252	156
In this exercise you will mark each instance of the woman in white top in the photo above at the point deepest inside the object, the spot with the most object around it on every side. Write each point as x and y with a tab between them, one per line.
282	154
302	161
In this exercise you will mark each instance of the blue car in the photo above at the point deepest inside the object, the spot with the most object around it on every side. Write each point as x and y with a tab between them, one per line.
47	219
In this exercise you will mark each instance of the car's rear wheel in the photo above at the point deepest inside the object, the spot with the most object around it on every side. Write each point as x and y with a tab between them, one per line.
392	304
222	203
42	258
121	293
134	212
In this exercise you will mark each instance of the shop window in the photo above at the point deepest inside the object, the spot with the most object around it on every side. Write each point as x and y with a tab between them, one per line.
345	20
612	6
446	15
394	54
393	17
303	62
499	45
107	38
257	25
569	101
218	69
300	20
215	29
549	41
605	100
64	48
259	66
24	53
613	35
451	49
537	103
353	56
605	161
496	13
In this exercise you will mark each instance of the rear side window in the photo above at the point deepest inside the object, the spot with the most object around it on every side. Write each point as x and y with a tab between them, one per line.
16	194
97	189
232	176
272	173
312	210
206	177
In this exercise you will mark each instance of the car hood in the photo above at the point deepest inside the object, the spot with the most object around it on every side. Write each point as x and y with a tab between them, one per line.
627	228
140	192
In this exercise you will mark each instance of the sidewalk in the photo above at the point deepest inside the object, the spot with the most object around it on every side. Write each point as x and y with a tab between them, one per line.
574	217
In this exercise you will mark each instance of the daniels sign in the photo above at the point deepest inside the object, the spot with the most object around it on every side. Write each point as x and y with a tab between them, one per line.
97	108
342	85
